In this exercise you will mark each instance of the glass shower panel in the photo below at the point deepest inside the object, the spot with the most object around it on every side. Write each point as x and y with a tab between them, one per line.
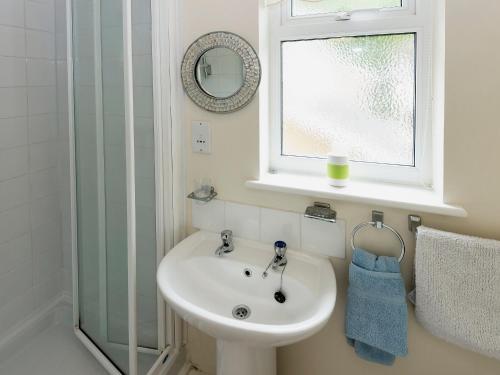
115	170
88	205
101	179
142	67
100	174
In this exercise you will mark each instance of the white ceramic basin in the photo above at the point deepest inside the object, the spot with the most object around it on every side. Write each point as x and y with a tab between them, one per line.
204	288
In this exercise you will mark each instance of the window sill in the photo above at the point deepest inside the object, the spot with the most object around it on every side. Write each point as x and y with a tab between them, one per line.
388	195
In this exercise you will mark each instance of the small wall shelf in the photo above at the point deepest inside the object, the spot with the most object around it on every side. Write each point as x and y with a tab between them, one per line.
212	194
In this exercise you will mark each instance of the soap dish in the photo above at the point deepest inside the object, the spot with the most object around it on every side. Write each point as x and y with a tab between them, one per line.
202	196
321	211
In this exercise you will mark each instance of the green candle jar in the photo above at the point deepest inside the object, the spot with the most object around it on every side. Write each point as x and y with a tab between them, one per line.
337	170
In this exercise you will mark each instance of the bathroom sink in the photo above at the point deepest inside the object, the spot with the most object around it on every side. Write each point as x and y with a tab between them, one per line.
228	298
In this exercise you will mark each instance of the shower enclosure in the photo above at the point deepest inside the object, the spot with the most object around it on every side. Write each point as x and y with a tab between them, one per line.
122	211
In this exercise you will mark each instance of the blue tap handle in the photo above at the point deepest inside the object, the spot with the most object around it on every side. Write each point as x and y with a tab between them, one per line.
280	248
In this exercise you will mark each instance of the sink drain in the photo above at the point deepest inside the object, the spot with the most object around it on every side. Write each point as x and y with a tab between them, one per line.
241	312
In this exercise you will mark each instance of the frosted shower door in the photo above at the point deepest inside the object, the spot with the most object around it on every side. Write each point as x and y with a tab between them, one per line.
101	170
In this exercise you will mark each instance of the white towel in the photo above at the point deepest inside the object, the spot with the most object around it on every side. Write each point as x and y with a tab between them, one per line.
458	289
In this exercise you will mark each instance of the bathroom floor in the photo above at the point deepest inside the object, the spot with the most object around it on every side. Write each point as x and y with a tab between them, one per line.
55	351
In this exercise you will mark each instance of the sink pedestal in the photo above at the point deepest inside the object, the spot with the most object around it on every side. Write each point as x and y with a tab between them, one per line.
238	359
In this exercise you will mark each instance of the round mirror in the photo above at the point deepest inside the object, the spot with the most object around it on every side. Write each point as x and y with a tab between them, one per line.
219	72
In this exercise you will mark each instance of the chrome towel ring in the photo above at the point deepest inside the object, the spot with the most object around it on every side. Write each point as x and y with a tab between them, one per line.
378	222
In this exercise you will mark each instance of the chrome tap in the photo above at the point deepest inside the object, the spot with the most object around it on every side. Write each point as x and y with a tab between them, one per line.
279	261
227	243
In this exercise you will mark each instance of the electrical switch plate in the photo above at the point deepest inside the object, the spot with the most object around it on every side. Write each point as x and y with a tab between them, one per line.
201	137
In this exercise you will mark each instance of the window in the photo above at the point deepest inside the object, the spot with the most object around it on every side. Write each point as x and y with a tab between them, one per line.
351	76
357	91
305	7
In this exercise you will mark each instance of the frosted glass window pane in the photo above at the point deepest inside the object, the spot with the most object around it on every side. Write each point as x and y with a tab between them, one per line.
309	7
352	93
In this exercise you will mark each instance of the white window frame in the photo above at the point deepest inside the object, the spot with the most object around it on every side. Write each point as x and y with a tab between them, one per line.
415	16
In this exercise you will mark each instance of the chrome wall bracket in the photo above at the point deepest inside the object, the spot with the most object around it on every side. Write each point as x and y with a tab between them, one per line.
321	211
414	221
378	219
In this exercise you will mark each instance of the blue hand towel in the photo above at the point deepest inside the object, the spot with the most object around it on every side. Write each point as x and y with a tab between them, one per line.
376	316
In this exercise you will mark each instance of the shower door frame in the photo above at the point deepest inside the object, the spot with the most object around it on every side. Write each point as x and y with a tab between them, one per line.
169	191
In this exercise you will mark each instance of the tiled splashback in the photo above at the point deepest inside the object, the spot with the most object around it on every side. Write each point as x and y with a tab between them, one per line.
267	225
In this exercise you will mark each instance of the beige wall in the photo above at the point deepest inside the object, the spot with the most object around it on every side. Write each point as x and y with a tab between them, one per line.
472	179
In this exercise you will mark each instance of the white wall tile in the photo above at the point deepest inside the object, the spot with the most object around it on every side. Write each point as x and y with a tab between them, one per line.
267	225
208	216
243	220
62	88
13	162
14	192
43	183
14	223
40	44
43	155
12	41
14	253
46	237
67	279
13	102
61	45
60	14
64	157
62	75
40	15
13	132
47	264
30	217
63	128
42	100
12	71
15	283
12	12
42	128
280	225
323	237
16	311
48	290
41	72
44	210
44	1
